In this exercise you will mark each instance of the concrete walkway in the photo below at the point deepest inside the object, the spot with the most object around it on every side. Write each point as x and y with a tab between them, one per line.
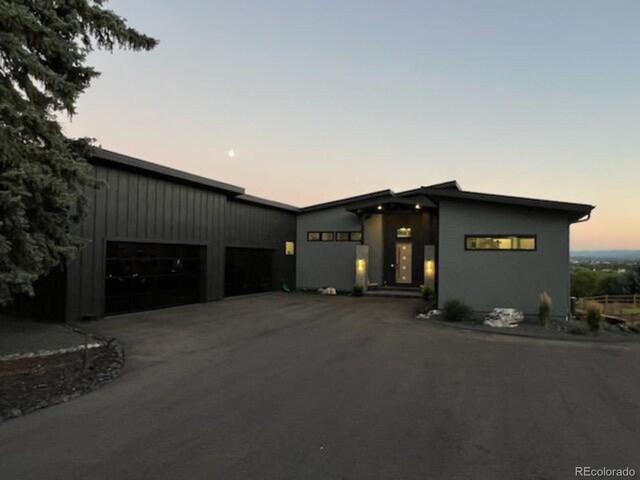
299	386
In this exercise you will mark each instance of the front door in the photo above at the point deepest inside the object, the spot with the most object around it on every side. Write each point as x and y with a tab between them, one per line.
404	264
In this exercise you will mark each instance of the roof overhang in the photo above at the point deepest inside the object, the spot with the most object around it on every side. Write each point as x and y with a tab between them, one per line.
575	211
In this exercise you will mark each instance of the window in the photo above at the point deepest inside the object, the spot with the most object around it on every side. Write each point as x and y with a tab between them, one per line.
326	236
289	248
404	232
320	236
348	236
500	242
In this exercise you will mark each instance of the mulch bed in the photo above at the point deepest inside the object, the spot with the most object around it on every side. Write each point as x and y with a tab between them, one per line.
31	383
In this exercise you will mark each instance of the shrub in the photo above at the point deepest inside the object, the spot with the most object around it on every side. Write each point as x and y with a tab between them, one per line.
457	311
594	316
356	291
427	293
544	309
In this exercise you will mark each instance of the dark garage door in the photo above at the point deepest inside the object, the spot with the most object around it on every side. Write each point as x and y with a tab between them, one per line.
141	276
247	270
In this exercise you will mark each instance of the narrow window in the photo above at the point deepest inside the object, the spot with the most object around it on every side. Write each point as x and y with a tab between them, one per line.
501	242
356	236
342	236
313	236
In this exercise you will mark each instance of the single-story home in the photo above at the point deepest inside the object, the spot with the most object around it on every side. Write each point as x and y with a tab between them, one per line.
157	237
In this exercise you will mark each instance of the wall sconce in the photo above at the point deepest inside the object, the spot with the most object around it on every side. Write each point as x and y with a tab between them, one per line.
417	206
289	248
429	268
360	265
379	207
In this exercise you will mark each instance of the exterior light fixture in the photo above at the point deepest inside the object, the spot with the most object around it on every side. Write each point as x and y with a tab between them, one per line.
417	206
360	264
379	207
429	268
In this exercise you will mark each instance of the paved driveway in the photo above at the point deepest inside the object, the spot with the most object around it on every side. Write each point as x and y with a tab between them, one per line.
299	386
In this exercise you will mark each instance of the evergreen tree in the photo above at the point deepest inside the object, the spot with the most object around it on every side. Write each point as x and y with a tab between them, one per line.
43	51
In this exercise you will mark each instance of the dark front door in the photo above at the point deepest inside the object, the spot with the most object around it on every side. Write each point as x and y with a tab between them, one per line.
142	276
248	270
404	237
404	263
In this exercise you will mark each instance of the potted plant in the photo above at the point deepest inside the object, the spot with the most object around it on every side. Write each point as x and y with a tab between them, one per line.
356	291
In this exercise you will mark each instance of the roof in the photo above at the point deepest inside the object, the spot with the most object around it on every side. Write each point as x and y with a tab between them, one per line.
452	190
131	163
101	155
347	201
576	210
425	194
266	203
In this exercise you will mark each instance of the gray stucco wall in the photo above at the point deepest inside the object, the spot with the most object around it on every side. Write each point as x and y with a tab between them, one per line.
323	264
373	238
488	279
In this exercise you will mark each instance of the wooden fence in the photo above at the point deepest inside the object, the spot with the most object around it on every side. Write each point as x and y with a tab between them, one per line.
632	300
624	306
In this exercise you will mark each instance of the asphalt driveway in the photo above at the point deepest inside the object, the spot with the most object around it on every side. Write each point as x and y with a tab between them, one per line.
299	386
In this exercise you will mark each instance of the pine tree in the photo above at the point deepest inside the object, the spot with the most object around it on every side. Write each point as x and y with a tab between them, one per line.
43	69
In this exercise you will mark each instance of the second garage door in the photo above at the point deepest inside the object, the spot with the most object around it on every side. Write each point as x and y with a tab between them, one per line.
248	270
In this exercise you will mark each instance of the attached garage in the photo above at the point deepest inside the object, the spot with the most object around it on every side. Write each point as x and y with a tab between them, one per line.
248	270
141	276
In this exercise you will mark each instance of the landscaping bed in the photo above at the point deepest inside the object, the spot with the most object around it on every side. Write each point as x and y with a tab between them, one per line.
30	381
610	330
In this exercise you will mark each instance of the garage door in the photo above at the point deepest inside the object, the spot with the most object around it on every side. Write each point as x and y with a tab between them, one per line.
247	270
142	276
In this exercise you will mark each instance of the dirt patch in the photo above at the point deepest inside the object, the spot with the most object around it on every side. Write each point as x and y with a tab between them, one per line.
34	382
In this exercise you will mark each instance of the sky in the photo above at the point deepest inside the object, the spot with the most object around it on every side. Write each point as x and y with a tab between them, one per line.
324	100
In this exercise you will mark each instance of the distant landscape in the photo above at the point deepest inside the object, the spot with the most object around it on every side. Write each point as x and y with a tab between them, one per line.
605	272
628	255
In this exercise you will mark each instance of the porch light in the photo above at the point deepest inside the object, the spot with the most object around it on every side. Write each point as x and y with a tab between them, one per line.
379	207
417	206
429	268
360	265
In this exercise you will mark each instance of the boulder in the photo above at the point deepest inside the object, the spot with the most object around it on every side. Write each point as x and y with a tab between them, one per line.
504	318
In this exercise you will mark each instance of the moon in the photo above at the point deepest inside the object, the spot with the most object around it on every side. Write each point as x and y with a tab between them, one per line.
231	153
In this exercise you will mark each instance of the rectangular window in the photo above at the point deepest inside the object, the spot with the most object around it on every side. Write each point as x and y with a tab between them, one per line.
326	236
289	248
501	242
404	232
319	236
348	236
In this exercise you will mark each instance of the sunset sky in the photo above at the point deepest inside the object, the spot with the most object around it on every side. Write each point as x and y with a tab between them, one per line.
323	100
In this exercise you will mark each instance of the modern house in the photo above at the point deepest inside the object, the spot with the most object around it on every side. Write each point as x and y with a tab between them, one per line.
157	237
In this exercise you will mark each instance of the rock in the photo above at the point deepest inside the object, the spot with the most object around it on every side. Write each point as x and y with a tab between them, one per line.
14	412
504	318
429	315
327	291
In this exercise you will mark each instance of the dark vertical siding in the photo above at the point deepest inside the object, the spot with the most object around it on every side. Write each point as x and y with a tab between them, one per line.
135	206
254	226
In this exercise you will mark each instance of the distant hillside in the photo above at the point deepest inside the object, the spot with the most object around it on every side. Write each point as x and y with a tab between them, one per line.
606	254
